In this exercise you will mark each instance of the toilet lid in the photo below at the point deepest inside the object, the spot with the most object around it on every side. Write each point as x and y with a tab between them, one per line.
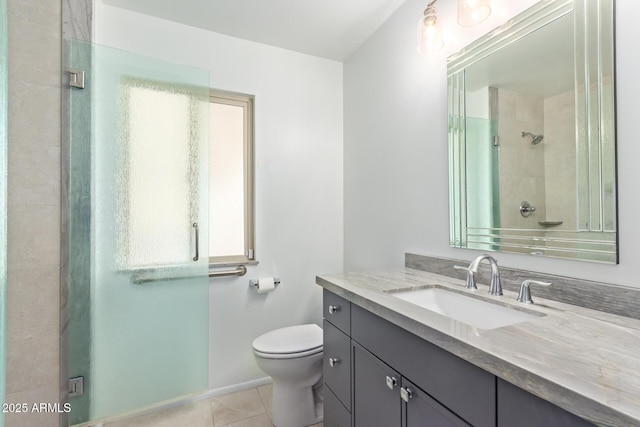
293	339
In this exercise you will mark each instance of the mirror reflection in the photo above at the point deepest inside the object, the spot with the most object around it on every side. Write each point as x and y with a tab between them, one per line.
532	135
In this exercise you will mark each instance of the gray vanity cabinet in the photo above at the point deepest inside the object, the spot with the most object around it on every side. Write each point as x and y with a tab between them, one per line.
383	398
336	363
517	407
377	374
463	388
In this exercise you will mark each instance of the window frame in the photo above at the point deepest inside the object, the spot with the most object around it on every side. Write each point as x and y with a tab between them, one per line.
246	102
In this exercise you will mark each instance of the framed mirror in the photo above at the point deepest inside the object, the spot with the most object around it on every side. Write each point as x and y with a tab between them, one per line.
532	157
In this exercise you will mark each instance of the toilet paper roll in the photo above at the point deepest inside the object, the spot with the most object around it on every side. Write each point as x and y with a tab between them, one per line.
266	284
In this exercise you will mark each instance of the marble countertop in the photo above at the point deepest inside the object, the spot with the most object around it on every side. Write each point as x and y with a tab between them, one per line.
585	361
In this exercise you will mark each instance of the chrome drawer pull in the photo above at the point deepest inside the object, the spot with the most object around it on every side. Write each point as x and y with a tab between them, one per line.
333	361
333	309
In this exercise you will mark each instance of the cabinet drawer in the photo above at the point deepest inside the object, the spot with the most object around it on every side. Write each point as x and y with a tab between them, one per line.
521	408
337	310
465	389
335	414
336	363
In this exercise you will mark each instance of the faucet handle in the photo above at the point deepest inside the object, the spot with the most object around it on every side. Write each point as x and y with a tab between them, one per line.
471	277
525	293
495	287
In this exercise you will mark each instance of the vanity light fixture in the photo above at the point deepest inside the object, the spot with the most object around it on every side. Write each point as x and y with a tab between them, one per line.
429	34
472	12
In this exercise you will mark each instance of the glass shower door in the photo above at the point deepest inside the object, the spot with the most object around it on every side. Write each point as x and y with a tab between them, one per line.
138	291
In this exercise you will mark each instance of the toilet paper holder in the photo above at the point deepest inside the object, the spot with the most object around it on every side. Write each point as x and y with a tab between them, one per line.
254	282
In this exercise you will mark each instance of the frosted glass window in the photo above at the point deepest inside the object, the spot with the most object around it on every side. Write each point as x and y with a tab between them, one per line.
156	204
231	179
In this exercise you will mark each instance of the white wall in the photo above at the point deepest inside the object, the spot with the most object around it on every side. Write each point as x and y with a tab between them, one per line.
299	181
395	156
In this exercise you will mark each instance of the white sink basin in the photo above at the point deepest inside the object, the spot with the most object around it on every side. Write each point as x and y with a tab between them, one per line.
465	309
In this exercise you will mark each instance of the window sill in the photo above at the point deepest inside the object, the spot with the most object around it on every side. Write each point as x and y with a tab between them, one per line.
232	263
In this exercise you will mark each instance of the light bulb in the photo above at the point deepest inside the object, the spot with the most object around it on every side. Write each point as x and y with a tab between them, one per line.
472	12
429	34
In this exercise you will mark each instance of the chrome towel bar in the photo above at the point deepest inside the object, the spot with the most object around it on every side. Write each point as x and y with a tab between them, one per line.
240	271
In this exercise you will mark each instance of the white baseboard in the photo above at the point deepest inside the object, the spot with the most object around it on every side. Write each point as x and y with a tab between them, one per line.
238	387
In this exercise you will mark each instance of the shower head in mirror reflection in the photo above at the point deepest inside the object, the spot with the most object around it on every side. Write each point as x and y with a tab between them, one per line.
535	139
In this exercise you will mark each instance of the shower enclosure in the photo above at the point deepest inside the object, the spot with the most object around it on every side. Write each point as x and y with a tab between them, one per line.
137	233
3	198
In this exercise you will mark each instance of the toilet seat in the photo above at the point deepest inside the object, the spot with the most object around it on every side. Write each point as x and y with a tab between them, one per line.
289	343
288	355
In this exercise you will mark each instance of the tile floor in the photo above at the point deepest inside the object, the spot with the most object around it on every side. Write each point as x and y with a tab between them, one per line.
247	408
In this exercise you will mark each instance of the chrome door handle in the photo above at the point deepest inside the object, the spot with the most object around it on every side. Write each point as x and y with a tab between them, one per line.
333	308
333	361
195	258
391	382
406	394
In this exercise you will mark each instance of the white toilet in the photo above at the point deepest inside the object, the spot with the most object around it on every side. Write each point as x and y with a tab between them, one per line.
292	356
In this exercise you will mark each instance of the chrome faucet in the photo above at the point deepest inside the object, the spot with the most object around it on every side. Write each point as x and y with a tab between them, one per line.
495	288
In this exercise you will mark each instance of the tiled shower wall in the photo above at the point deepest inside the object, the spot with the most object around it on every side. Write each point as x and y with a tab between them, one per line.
560	159
33	208
521	163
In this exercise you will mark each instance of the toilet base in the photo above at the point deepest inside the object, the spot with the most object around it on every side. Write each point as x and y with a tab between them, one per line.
296	407
295	366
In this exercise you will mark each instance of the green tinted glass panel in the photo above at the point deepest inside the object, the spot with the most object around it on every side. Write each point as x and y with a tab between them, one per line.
138	292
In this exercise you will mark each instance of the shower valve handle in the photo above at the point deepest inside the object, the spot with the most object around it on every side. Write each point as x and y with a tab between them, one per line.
526	209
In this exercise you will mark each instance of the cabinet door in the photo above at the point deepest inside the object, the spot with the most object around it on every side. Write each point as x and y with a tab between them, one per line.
376	391
420	410
462	387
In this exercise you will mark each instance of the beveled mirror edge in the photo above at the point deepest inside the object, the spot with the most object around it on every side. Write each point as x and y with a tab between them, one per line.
510	32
